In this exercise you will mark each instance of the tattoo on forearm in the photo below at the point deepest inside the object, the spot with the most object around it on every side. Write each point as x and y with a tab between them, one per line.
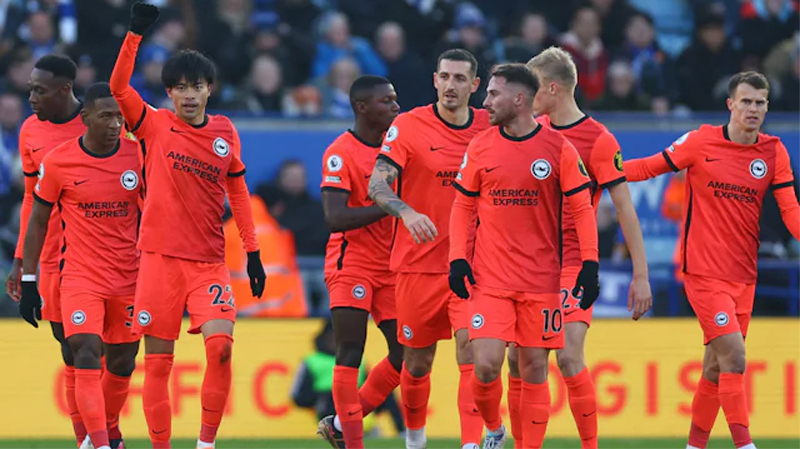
380	189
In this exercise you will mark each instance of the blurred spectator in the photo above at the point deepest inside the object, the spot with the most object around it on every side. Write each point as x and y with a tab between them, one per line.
86	74
673	20
621	94
409	75
704	68
587	50
296	30
614	16
304	101
102	25
268	41
40	34
764	24
468	33
647	60
264	92
11	117
229	42
532	37
19	72
335	43
147	79
334	89
789	85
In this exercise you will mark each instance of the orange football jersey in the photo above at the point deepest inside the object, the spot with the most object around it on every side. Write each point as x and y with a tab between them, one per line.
346	167
37	139
725	187
427	152
518	183
97	196
600	152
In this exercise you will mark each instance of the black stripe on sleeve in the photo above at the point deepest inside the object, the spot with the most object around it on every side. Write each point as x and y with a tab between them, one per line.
465	191
236	174
669	162
611	184
141	119
782	185
578	189
42	200
334	189
32	174
391	162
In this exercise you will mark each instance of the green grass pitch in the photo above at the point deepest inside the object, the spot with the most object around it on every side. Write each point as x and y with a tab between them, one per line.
554	443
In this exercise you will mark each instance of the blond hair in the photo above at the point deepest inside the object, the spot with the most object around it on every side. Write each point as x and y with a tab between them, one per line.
556	65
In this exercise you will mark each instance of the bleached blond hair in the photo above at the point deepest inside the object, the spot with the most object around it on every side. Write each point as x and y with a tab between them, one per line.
555	64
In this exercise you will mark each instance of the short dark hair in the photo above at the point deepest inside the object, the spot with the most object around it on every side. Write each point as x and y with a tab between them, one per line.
459	54
364	85
517	73
755	79
191	65
95	92
59	65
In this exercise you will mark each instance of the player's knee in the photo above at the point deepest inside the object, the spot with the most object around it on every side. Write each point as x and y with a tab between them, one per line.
711	372
396	355
733	363
86	352
349	354
418	362
513	362
487	367
569	362
219	348
533	370
121	366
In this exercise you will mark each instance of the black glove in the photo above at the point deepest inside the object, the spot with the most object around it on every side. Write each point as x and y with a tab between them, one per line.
142	16
256	272
459	269
30	304
589	281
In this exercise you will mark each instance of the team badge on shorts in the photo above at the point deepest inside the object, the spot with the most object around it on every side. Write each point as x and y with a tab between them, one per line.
359	292
541	169
221	147
407	333
78	317
143	318
758	168
477	321
721	319
129	180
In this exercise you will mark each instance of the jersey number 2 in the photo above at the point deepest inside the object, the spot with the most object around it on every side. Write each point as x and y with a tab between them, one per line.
217	291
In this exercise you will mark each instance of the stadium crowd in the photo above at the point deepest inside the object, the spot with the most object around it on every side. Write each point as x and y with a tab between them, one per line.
298	58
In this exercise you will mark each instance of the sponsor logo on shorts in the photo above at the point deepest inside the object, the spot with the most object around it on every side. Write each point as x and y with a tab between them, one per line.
78	317
359	292
144	318
477	321
407	333
721	319
221	147
758	168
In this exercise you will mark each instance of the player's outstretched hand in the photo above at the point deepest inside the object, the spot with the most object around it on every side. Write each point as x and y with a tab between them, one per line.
255	269
640	299
459	269
12	280
420	226
589	281
30	305
142	16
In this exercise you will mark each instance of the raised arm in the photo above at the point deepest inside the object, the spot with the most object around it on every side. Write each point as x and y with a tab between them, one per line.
131	103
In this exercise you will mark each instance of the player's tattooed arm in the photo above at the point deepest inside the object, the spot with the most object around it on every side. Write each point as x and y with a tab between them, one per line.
419	225
380	189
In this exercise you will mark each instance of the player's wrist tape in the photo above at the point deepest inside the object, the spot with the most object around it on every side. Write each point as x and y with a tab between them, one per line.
28	278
